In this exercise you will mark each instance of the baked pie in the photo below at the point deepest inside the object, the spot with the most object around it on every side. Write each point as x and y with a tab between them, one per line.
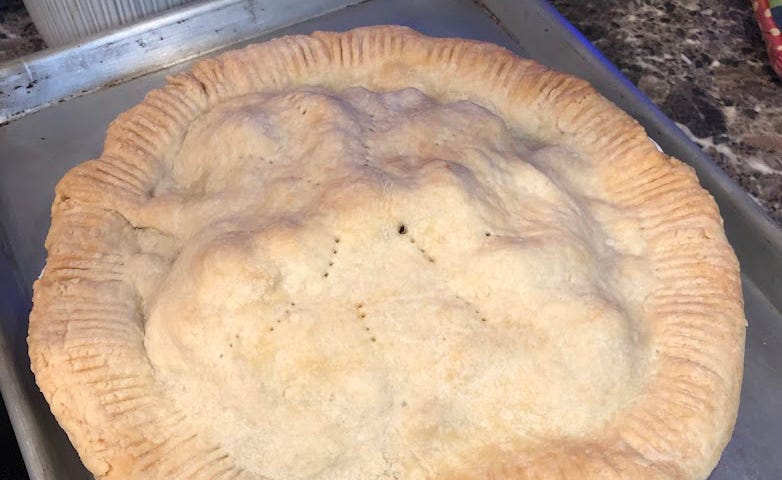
380	255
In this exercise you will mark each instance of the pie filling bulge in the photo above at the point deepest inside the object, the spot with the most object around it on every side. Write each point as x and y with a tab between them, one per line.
378	284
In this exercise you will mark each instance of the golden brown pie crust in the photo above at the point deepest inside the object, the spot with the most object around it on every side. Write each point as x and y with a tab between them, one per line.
87	337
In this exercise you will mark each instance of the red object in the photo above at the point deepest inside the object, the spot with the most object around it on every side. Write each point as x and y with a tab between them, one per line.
771	33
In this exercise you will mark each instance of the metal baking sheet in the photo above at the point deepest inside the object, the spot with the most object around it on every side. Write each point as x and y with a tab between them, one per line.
37	149
54	75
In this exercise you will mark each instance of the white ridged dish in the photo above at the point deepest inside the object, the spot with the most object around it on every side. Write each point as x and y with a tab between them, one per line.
64	21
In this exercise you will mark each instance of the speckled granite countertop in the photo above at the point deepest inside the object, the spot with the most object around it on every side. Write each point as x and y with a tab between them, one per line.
703	63
18	35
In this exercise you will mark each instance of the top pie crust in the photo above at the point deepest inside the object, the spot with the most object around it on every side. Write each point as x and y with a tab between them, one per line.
376	254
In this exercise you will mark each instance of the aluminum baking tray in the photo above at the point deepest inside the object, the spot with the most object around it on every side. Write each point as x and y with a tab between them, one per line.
60	102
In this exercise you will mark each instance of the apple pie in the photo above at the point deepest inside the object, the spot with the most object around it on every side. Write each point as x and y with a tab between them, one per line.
380	255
